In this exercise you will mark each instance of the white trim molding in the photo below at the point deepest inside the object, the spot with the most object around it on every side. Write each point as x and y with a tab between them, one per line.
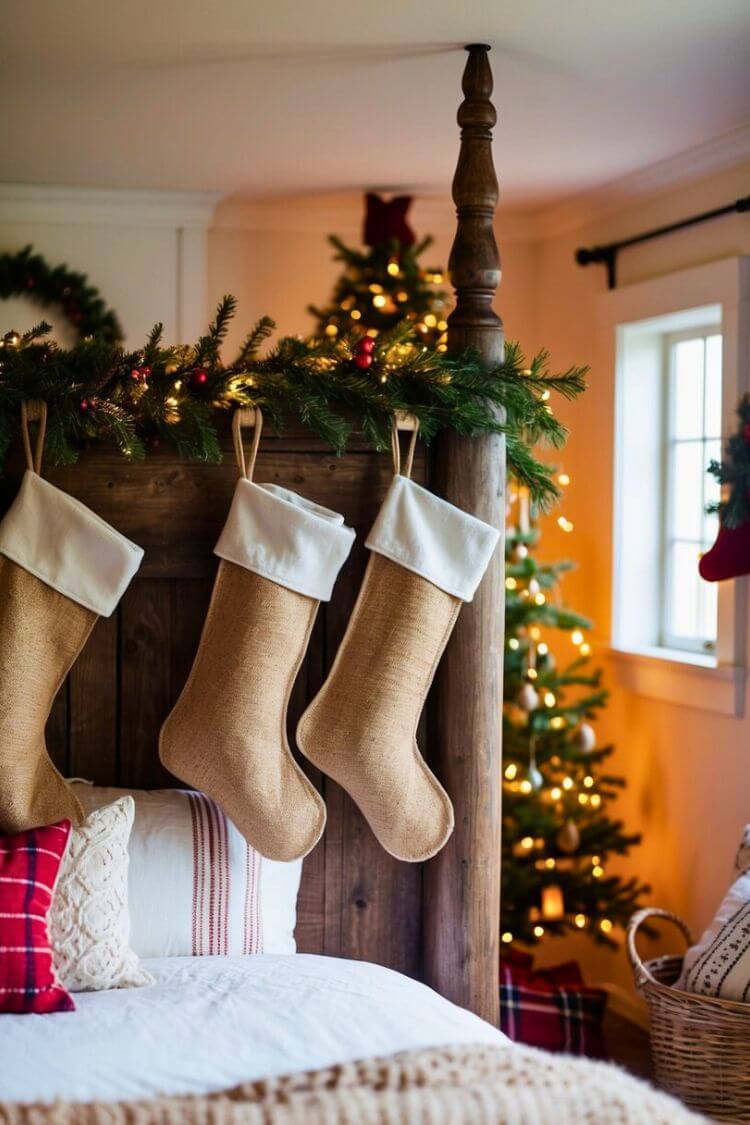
48	203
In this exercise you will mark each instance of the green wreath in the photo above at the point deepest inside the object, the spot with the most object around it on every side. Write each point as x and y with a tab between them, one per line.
29	275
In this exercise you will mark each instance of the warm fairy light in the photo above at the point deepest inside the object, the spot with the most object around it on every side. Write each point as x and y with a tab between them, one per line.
331	330
557	723
171	402
372	333
525	788
595	800
510	584
392	268
542	649
539	599
583	798
580	920
513	643
595	859
442	325
567	783
564	523
507	937
585	649
430	320
375	288
535	632
545	396
553	903
577	637
605	925
555	793
588	781
549	699
402	296
526	371
563	479
444	348
177	384
511	770
378	300
532	673
355	314
384	378
538	931
597	871
527	843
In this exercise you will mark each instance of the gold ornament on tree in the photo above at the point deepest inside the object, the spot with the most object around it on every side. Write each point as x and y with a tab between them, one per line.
568	838
528	698
585	738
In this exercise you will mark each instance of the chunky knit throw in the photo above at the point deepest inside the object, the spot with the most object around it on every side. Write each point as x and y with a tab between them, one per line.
478	1085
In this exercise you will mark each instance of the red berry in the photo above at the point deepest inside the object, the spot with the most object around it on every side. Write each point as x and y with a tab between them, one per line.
199	377
84	404
363	360
135	373
145	372
366	344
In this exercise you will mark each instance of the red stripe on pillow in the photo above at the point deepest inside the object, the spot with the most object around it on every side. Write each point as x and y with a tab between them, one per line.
29	866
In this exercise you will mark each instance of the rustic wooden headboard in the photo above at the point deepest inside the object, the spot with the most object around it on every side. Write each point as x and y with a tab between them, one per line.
439	921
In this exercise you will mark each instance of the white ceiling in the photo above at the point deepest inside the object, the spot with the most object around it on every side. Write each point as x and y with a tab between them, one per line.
272	97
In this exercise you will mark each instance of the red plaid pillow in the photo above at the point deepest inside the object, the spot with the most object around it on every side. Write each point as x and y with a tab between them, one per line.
29	865
551	1008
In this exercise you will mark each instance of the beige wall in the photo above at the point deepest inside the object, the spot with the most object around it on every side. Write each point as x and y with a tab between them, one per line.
688	770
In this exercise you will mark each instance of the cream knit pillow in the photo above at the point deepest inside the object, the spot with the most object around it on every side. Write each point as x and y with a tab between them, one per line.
89	923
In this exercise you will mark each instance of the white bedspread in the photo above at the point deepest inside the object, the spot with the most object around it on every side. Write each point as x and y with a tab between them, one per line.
211	1022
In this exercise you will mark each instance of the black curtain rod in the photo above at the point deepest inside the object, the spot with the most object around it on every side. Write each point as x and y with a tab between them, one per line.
607	254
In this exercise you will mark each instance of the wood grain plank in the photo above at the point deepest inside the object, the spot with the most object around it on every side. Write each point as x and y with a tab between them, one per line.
145	687
93	721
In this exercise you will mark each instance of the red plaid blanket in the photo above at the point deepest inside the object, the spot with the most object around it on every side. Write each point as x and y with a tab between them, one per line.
551	1008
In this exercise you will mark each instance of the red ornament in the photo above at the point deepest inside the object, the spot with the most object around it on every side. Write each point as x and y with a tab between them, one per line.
135	373
145	372
85	406
363	360
199	377
366	344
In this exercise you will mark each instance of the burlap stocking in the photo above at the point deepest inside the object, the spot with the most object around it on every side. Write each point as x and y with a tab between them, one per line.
428	557
60	567
227	733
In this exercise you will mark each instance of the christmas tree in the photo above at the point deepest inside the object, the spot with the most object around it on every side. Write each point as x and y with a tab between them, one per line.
558	835
384	283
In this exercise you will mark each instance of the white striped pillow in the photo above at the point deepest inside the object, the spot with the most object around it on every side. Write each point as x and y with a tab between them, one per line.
719	963
196	887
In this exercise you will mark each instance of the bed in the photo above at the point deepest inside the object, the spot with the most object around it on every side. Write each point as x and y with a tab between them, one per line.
398	961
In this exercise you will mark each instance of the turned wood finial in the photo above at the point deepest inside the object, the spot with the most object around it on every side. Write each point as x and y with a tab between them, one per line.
474	263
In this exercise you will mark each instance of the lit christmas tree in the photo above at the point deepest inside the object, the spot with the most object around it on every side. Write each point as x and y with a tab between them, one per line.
384	283
558	834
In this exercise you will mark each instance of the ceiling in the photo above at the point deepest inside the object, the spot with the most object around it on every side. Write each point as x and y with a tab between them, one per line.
280	97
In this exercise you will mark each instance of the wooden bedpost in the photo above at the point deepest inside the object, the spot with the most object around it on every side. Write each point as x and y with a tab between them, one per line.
462	889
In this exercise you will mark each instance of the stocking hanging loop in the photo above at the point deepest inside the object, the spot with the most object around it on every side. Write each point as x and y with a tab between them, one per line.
246	416
403	421
34	412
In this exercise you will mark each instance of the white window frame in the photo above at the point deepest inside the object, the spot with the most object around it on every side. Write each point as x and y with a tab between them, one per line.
667	639
714	682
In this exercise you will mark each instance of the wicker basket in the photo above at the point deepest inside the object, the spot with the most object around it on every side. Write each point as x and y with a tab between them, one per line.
700	1045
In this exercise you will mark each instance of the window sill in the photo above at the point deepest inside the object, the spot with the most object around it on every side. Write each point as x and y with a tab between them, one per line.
687	679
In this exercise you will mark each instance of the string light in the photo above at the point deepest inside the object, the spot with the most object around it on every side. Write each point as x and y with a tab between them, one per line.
597	871
538	931
585	649
535	632
331	330
430	320
577	637
555	793
567	783
513	643
510	584
605	925
557	723
527	843
526	788
563	479
550	863
539	599
532	673
393	269
375	288
507	937
355	314
542	649
564	523
588	781
580	921
595	800
549	699
511	770
378	300
583	798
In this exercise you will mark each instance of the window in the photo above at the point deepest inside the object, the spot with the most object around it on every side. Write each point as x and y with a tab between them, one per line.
677	347
692	439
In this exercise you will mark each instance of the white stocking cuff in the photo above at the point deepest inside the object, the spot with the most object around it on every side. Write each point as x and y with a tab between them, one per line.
66	545
280	535
423	533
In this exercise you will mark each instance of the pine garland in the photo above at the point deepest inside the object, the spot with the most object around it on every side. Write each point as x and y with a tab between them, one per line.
734	470
98	390
26	274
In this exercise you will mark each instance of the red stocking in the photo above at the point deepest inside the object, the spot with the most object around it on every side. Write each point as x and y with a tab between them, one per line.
730	555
